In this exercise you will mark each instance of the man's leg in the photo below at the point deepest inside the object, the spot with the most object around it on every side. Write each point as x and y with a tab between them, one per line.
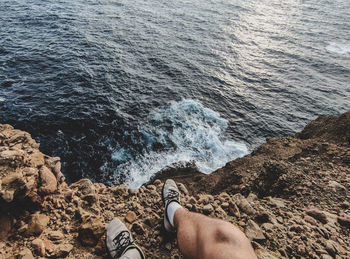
200	236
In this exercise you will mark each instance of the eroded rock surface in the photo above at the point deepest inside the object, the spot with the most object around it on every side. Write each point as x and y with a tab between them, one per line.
290	196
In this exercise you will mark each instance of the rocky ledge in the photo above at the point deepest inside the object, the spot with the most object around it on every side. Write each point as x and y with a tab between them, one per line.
290	196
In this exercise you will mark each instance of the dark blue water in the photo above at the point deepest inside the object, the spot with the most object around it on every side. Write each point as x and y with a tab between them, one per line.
122	89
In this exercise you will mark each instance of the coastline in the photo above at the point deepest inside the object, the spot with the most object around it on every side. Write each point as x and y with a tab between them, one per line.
290	196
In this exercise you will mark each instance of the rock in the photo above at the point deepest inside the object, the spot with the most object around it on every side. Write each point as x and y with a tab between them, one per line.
207	209
121	190
233	209
157	182
276	202
130	217
245	206
84	186
36	159
138	228
5	226
344	221
326	256
12	157
91	198
192	201
225	205
168	246
317	214
336	186
37	224
49	246
11	177
331	247
48	181
296	228
39	247
25	254
252	197
264	254
63	250
253	231
55	235
91	231
182	188
268	227
8	195
310	220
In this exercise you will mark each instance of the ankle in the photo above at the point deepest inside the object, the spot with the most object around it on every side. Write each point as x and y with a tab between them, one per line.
171	209
179	215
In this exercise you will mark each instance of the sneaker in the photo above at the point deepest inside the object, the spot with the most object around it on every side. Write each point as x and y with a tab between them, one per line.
119	241
170	193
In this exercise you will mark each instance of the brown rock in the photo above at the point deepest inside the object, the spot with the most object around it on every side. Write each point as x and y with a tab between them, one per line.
8	195
233	209
276	202
90	232
48	181
317	214
138	228
331	247
310	220
157	182
344	221
207	209
253	231
265	254
49	246
63	250
130	217
39	247
36	159
245	206
11	177
14	157
225	205
56	235
37	224
25	254
84	186
182	188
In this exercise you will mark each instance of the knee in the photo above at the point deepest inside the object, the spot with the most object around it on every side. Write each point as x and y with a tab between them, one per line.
227	233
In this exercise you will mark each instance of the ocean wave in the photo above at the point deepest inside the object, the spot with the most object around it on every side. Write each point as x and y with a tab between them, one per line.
339	48
187	132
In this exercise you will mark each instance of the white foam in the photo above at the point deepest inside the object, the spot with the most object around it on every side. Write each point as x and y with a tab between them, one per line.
339	48
2	99
189	132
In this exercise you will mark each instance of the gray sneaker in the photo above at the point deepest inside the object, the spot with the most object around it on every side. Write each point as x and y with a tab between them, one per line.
119	241
170	193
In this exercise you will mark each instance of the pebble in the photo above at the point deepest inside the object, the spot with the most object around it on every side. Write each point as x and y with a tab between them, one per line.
207	209
39	247
130	217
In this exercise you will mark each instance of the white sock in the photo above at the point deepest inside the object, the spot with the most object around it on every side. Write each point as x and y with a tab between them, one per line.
172	208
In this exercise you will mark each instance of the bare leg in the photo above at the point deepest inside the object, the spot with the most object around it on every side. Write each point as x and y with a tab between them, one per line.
203	237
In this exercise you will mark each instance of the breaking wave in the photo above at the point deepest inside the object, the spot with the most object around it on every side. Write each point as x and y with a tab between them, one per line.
181	133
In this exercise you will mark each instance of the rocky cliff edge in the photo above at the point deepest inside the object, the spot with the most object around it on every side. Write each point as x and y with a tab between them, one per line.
290	196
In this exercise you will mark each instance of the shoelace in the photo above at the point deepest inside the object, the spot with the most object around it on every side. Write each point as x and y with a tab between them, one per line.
172	195
122	241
